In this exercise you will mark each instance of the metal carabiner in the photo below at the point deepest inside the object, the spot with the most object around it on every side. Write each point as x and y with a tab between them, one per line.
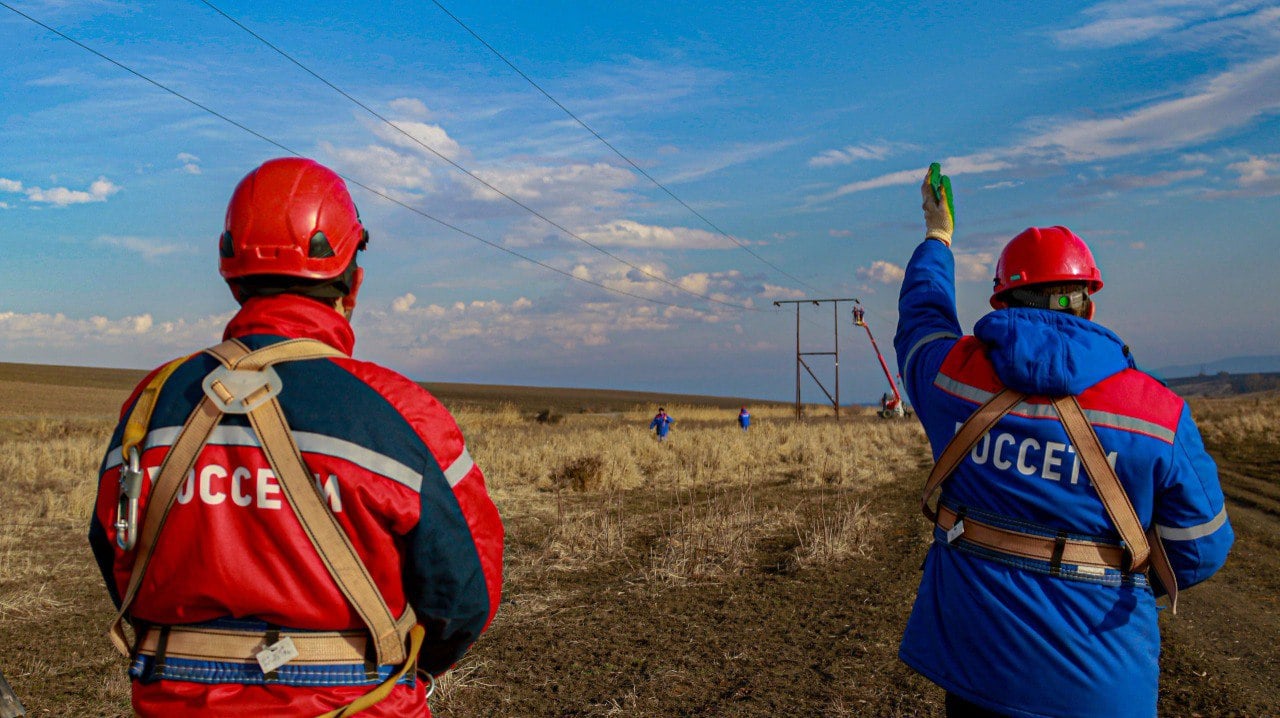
127	504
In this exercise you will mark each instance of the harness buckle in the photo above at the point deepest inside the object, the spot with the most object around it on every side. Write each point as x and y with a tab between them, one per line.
127	502
241	391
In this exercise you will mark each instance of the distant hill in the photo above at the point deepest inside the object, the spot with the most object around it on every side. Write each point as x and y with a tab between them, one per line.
1224	384
1231	365
114	386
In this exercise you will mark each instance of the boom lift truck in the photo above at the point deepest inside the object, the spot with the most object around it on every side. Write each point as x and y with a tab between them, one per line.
890	407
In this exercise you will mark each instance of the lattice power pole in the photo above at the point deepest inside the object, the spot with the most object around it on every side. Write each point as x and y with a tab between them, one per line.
800	355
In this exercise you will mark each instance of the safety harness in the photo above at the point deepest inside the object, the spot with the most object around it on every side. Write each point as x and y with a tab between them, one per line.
1139	552
246	383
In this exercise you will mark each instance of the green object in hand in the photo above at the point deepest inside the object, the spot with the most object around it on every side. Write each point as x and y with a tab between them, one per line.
941	184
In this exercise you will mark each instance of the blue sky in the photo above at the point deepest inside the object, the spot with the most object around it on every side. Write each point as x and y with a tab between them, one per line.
801	129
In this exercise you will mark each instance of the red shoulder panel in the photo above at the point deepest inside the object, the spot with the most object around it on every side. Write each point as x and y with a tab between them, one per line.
967	363
1134	394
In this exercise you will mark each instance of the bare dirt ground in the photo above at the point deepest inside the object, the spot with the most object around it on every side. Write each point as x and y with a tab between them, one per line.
726	575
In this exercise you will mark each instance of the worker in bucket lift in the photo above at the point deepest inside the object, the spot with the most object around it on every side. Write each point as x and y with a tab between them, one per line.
744	419
1029	604
661	424
289	530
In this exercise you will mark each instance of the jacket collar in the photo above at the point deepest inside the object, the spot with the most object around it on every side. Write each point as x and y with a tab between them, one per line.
294	317
1051	353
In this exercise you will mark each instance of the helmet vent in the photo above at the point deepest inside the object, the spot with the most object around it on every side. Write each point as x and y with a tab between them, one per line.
225	248
320	247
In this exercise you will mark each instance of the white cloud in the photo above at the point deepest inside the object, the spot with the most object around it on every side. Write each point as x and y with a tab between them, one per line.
1109	32
1257	177
1118	183
1006	184
157	340
412	135
773	291
1215	105
149	249
627	233
410	106
1254	170
840	232
974	266
99	190
386	170
882	272
736	155
571	194
402	303
1173	23
854	153
190	163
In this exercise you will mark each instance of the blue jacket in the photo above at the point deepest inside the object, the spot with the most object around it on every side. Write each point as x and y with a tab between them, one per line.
744	418
662	423
1003	633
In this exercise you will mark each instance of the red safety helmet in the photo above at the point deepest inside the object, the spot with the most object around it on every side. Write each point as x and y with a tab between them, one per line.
1044	255
291	217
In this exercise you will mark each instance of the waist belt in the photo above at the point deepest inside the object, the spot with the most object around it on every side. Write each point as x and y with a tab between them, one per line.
224	643
1057	550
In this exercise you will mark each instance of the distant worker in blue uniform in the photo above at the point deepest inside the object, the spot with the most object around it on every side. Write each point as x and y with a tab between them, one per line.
661	424
744	419
1029	603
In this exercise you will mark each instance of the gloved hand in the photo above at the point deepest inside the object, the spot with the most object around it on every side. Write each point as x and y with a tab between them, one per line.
939	213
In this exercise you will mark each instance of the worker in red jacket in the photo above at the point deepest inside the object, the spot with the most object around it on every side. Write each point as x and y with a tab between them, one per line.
289	530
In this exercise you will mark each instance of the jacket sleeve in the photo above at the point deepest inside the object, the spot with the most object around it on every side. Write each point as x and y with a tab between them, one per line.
453	565
1189	509
926	315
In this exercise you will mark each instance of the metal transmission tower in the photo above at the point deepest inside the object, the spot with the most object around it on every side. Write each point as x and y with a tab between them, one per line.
800	355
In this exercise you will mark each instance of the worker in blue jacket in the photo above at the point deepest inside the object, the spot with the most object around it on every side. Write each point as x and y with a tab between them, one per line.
1006	635
661	424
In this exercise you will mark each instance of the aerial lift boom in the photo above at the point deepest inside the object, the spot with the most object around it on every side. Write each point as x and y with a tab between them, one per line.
888	407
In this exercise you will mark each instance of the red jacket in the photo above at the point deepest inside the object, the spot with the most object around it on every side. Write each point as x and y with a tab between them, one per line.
395	472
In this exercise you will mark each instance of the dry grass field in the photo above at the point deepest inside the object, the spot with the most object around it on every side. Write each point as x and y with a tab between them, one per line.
719	573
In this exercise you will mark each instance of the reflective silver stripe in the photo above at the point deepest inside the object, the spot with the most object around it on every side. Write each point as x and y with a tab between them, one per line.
312	443
906	365
1191	533
1045	411
460	467
1118	421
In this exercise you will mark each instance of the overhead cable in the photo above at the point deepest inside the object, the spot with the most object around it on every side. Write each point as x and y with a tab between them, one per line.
471	174
347	178
616	151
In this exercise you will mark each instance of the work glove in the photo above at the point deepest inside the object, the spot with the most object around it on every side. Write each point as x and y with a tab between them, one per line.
939	212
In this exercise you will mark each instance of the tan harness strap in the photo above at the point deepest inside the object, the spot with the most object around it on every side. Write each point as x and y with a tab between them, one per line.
1042	548
1145	549
963	442
208	643
1105	481
180	459
326	535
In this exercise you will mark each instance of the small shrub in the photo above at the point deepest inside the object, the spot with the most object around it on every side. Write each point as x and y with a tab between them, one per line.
582	474
547	416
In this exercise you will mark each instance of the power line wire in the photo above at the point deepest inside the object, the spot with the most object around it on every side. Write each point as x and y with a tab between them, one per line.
615	150
347	178
468	172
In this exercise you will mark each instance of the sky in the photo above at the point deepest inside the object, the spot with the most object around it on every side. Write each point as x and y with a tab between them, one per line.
794	136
